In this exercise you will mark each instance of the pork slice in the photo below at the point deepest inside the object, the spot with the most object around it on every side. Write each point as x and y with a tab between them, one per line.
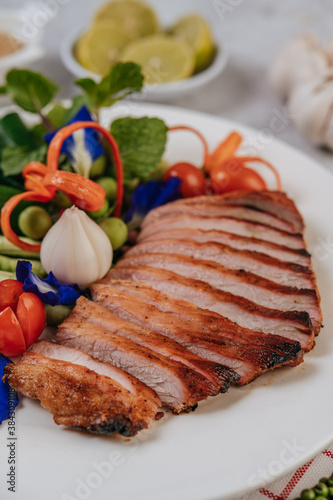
244	284
293	325
284	273
218	377
178	387
248	360
63	353
228	224
272	202
207	209
80	398
280	252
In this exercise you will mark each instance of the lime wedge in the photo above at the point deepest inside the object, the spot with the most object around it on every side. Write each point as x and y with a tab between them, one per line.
163	58
196	31
99	48
133	16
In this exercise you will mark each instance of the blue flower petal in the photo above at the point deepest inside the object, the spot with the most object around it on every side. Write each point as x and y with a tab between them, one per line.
49	290
91	137
151	195
8	397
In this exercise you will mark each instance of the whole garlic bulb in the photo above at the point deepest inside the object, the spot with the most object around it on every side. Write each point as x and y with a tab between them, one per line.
311	109
298	62
76	249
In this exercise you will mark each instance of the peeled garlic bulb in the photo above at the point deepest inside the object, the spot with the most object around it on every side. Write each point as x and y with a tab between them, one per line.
298	62
310	107
76	249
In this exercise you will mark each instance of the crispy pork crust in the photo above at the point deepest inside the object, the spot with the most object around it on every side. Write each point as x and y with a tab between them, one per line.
252	359
80	398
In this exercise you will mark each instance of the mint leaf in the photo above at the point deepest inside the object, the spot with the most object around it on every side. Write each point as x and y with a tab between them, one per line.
122	80
13	132
141	142
30	90
14	159
57	114
3	90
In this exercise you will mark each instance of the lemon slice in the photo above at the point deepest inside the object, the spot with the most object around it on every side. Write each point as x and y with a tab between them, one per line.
196	31
99	48
133	16
163	58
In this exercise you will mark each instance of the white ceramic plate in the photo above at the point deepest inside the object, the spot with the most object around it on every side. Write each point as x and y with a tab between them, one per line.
225	447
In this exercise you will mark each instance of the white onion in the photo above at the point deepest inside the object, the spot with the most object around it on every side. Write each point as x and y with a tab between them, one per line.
76	249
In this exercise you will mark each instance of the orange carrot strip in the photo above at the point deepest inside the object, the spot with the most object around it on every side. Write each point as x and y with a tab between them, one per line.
226	149
55	147
198	134
6	213
246	159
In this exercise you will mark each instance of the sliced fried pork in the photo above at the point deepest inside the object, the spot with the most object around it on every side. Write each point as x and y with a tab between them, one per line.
218	377
280	252
266	202
79	397
228	224
179	387
292	325
207	209
250	286
63	353
249	360
284	273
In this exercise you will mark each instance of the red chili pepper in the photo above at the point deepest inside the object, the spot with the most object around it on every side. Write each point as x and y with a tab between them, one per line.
43	181
22	318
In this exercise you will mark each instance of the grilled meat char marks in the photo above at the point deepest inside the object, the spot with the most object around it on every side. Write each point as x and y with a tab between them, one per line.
238	282
279	252
80	398
218	377
266	202
247	359
234	226
179	387
293	325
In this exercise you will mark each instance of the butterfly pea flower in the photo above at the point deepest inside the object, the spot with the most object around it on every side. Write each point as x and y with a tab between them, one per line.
8	397
151	195
83	146
49	290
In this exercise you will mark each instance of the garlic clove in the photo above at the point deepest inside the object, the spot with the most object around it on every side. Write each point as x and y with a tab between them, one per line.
298	62
311	108
76	249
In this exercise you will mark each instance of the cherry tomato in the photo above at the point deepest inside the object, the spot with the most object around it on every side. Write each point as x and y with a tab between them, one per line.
233	176
22	318
12	341
31	315
192	177
10	290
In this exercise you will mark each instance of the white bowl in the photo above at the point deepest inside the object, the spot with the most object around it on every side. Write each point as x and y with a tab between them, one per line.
153	92
16	23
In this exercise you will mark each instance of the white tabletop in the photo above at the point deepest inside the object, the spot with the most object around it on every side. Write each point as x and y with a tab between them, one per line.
252	30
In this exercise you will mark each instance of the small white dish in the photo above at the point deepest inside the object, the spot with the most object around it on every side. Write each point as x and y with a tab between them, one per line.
161	92
18	24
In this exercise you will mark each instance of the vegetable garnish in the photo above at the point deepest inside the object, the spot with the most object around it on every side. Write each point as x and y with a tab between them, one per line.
76	249
49	290
8	397
22	318
227	171
43	181
83	147
151	195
